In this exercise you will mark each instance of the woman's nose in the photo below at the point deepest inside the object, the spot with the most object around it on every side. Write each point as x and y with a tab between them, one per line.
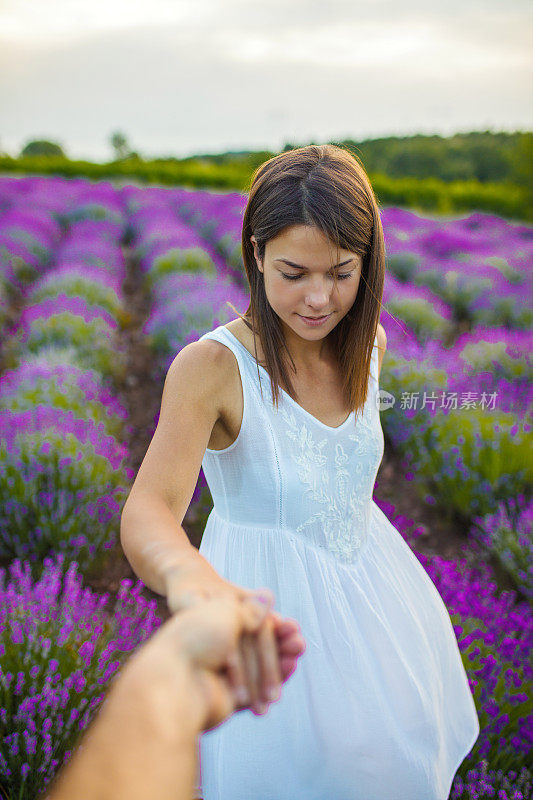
318	297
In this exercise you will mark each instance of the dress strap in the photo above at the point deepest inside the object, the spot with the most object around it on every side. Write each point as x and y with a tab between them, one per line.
374	363
222	335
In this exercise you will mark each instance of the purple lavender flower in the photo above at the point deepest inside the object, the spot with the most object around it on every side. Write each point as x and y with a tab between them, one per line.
65	633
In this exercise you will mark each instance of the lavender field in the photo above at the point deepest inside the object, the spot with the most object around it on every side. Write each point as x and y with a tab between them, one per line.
457	403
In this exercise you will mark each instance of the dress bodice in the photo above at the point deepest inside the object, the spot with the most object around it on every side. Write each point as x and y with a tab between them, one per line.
288	470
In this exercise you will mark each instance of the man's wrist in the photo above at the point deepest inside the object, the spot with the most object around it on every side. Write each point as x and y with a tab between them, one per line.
143	740
165	689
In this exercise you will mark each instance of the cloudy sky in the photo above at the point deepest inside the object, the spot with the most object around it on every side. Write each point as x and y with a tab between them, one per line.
187	76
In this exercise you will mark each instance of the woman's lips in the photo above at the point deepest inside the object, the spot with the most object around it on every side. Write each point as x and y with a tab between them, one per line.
314	320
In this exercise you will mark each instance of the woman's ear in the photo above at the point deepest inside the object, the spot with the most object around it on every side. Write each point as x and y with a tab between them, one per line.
256	253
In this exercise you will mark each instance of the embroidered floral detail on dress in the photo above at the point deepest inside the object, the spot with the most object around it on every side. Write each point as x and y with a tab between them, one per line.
344	503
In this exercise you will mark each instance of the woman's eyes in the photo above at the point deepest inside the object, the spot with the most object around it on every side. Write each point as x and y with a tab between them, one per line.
341	276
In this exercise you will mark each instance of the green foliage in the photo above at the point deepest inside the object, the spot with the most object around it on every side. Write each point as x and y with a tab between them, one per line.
507	197
482	156
42	148
522	163
424	194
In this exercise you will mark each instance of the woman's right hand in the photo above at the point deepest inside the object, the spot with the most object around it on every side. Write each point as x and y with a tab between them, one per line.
266	657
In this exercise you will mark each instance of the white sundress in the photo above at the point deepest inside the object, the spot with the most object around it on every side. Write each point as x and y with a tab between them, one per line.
379	706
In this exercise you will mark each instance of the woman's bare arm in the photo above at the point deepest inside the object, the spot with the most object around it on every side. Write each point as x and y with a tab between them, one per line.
151	533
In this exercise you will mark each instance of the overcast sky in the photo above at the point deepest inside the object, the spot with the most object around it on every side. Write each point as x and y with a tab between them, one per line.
186	76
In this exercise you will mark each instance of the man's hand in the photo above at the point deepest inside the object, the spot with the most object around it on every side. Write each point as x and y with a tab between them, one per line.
210	639
183	680
254	667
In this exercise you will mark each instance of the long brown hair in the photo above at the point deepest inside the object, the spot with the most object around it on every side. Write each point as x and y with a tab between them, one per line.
327	187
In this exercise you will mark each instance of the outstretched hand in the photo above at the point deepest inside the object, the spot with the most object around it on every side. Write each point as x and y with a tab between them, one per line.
257	665
214	639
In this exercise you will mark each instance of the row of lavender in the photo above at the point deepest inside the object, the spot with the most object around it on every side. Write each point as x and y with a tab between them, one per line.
164	245
493	628
62	470
465	403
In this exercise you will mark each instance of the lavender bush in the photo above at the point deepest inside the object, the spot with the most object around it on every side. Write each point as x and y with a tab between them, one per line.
41	381
19	266
508	534
502	352
96	286
421	317
483	782
91	252
106	208
59	650
403	265
183	305
457	288
494	633
4	306
35	228
61	487
178	260
471	471
480	263
68	321
218	219
464	433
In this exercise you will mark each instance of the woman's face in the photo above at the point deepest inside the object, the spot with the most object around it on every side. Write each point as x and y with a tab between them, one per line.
308	291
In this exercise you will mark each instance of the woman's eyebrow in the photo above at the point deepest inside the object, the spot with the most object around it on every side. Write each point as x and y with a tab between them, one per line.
298	266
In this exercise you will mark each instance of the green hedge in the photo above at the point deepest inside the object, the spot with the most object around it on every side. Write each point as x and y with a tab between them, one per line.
431	194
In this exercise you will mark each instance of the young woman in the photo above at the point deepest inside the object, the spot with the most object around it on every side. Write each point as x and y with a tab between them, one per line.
379	707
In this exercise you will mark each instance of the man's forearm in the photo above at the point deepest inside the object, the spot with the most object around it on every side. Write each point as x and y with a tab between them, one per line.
141	744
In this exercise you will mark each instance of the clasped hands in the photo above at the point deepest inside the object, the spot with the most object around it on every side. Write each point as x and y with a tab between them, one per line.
220	651
237	650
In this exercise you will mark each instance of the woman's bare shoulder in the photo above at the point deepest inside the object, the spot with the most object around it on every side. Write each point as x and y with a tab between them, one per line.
208	368
209	358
